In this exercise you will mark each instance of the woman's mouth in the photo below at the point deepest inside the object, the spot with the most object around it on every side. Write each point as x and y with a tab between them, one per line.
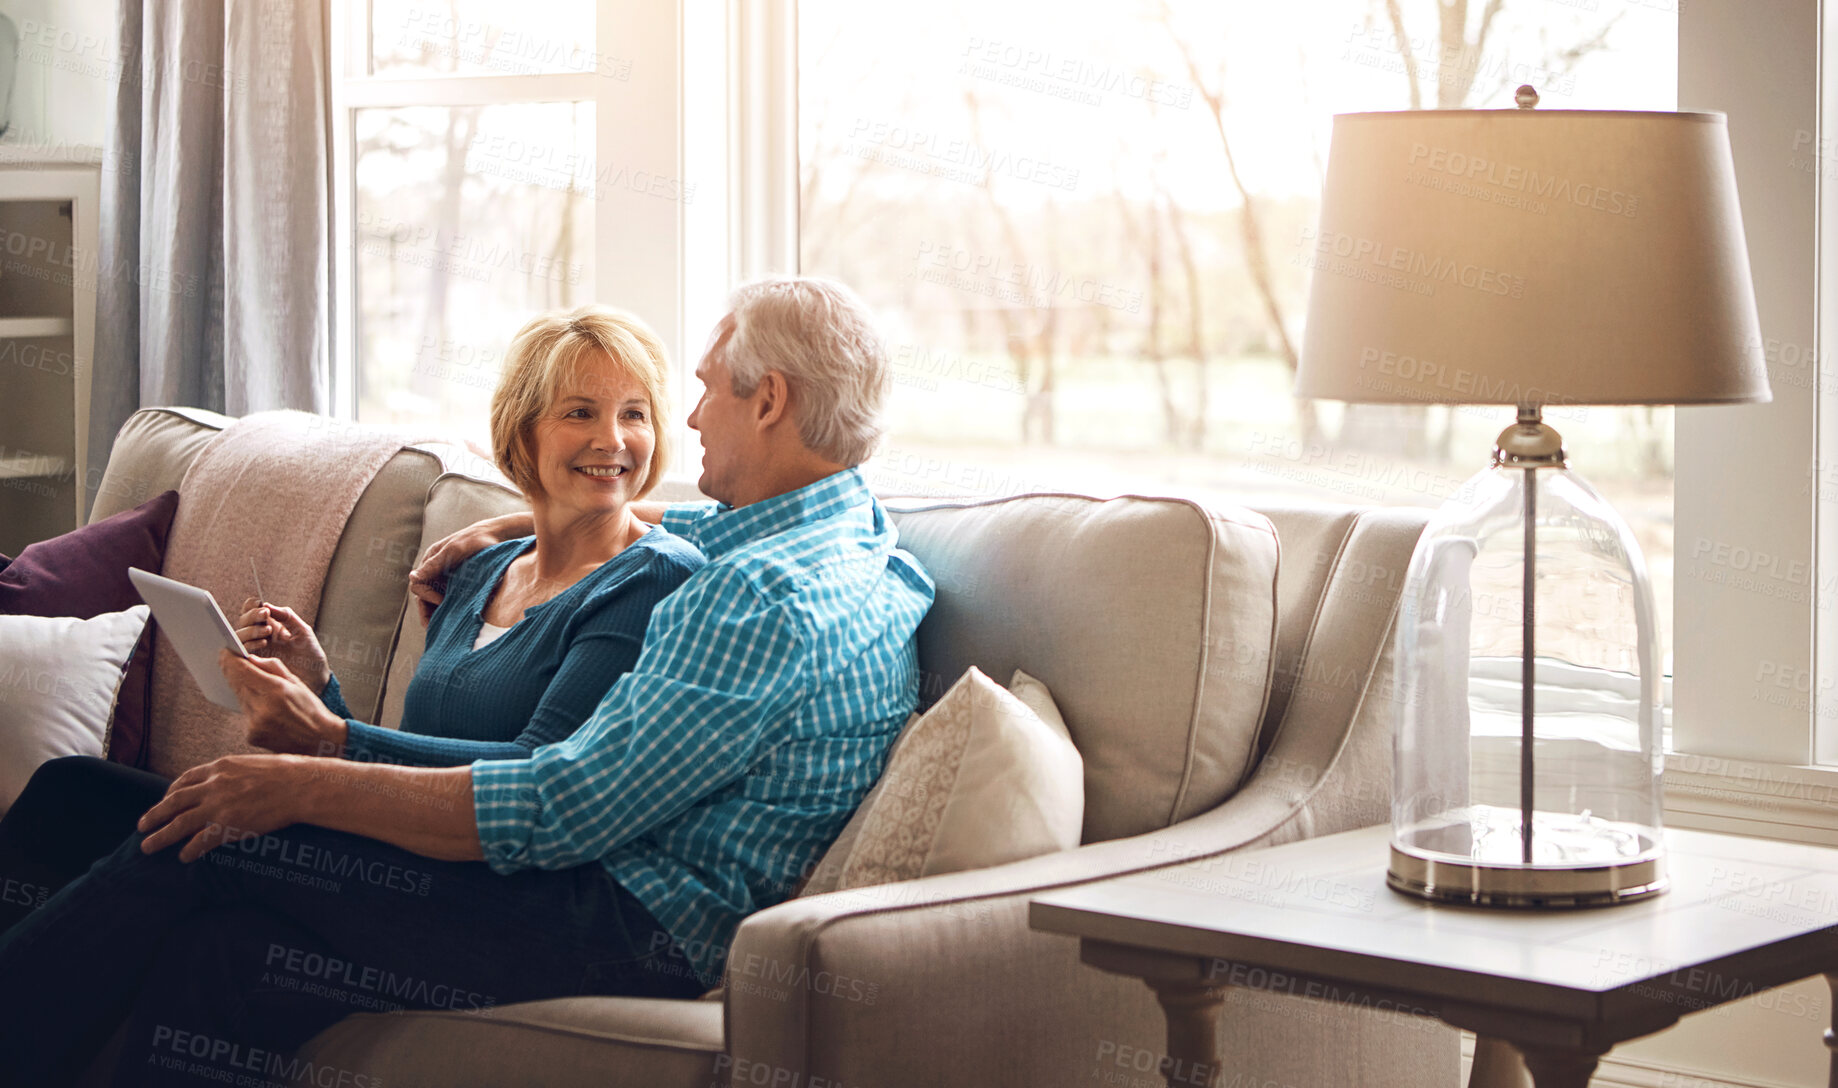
604	472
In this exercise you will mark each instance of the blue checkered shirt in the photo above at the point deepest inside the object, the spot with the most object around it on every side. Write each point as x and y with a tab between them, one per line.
771	685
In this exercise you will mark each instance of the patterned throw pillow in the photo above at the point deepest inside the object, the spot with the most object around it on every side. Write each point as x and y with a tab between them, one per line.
986	776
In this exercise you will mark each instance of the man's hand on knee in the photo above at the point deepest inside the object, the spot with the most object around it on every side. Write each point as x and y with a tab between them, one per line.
225	800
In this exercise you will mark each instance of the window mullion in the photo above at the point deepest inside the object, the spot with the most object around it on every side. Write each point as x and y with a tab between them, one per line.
767	107
639	186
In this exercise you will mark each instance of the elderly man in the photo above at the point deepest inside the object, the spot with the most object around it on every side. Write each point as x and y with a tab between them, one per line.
619	861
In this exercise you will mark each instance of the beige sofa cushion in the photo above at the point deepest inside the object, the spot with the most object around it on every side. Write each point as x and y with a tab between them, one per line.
454	502
366	585
985	777
616	1042
1151	620
151	454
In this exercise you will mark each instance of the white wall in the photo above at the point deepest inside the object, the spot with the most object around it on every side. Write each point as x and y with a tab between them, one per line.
68	68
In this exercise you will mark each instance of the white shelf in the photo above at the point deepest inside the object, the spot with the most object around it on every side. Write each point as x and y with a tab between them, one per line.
30	467
65	175
18	328
20	153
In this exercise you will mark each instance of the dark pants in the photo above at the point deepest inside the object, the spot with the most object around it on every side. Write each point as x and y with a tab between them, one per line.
73	812
226	964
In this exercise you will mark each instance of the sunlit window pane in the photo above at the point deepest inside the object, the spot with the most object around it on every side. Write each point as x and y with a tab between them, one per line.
469	220
1084	225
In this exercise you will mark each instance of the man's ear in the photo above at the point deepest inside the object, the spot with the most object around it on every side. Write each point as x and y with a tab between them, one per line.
772	400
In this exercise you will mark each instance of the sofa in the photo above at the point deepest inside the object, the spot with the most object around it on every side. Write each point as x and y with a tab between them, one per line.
1223	673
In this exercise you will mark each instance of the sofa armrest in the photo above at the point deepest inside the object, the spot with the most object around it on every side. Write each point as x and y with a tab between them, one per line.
808	979
934	980
942	981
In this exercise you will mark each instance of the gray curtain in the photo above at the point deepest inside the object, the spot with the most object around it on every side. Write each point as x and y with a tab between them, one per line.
214	270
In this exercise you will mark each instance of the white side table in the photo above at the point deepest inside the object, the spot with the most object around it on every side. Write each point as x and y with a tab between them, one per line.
1557	989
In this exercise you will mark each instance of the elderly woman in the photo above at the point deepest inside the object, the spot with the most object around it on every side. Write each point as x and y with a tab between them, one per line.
533	631
531	634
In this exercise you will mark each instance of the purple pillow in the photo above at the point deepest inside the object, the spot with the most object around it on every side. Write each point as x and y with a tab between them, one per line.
83	574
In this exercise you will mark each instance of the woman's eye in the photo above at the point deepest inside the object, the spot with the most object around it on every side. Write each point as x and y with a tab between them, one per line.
578	413
637	414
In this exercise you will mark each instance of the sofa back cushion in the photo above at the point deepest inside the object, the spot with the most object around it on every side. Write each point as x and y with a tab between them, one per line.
1152	621
366	586
454	502
151	454
1315	548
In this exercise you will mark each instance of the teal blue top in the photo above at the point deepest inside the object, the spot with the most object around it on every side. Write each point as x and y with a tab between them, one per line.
539	680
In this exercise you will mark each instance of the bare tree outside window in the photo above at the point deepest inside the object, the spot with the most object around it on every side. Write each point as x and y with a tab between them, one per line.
466	219
1087	226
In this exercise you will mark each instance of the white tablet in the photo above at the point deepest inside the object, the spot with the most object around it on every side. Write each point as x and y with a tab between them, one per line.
191	619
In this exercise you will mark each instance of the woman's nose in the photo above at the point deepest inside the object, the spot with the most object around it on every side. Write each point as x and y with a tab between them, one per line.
610	436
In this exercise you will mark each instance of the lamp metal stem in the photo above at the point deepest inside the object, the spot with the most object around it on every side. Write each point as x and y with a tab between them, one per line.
1528	667
1528	445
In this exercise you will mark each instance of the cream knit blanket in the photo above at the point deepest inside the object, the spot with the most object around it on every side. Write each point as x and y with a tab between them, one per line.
275	487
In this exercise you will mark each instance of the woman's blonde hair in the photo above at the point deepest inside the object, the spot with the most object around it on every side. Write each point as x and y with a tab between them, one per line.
546	355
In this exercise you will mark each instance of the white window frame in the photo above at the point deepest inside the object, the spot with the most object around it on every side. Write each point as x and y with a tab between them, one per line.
1756	549
671	115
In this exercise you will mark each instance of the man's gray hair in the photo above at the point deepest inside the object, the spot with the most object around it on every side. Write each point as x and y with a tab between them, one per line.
820	335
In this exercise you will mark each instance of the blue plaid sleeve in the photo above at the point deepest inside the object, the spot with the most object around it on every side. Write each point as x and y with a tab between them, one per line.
680	516
688	720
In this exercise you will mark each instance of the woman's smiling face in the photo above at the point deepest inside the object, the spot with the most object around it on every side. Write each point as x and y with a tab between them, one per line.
592	448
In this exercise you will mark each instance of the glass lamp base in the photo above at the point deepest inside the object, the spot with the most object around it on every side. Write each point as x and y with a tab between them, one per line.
1473	855
1481	884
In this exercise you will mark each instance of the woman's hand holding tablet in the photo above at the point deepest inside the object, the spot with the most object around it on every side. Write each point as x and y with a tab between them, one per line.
198	630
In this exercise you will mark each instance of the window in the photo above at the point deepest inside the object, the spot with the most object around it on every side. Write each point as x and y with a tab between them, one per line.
490	163
1086	227
1038	200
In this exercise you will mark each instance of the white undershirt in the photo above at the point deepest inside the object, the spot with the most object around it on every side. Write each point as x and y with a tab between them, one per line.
488	633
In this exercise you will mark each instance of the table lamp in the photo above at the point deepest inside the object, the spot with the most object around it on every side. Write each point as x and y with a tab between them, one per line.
1529	257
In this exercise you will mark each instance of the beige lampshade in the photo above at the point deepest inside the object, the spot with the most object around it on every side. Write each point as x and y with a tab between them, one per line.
1530	257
